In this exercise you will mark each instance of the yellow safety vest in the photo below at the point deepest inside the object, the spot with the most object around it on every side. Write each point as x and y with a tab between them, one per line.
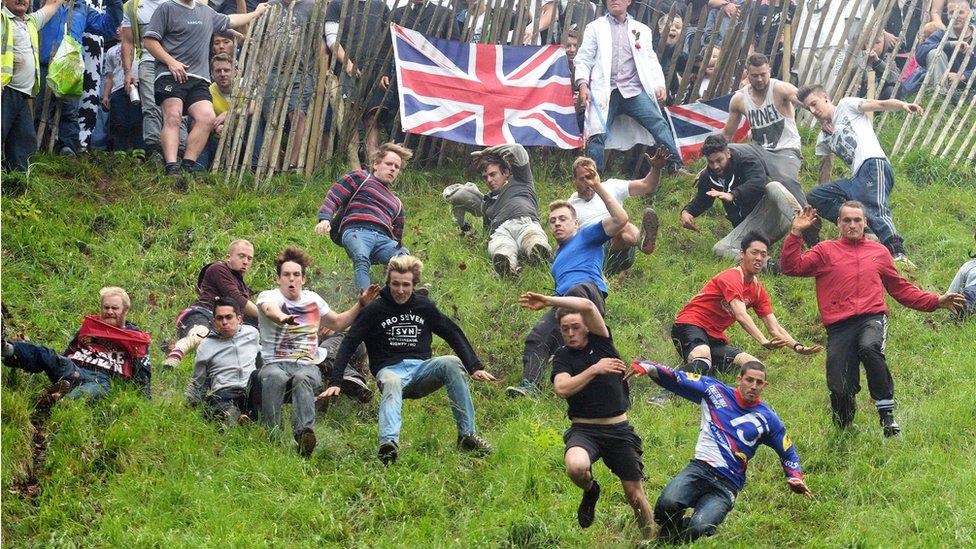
7	55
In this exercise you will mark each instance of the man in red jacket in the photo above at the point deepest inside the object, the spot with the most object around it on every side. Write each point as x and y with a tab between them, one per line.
852	274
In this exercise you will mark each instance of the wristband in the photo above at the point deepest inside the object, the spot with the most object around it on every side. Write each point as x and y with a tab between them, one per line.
797	344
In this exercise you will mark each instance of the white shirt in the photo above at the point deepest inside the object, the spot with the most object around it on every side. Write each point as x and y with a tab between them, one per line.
853	140
594	210
144	13
297	341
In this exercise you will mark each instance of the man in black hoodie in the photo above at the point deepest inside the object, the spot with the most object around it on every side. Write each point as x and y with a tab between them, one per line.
397	329
739	177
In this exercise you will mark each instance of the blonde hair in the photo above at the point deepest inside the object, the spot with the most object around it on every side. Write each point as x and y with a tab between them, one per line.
581	162
556	204
929	28
405	264
404	153
109	291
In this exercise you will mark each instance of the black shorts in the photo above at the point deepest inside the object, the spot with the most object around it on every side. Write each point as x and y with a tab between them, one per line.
191	91
688	336
617	444
192	317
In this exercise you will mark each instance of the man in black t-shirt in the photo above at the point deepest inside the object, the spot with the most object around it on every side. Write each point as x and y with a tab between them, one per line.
587	371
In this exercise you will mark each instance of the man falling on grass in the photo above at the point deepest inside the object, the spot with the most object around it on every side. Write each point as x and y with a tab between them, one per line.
587	371
852	275
735	421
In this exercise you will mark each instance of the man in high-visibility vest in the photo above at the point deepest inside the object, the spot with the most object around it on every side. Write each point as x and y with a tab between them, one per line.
20	78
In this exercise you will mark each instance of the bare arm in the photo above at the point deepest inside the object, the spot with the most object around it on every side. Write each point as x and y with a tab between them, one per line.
875	105
242	19
251	310
587	309
128	50
735	116
50	8
275	314
742	317
566	385
340	321
618	216
651	181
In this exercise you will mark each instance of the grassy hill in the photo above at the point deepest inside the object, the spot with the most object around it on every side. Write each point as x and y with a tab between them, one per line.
125	471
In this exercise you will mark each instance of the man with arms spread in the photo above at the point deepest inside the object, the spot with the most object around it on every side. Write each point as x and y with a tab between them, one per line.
734	421
699	329
846	131
397	329
288	321
738	176
590	208
852	275
577	271
587	371
218	279
178	38
511	209
372	225
106	346
224	374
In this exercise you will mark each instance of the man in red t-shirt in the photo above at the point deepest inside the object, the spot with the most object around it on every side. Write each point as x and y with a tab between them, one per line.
699	329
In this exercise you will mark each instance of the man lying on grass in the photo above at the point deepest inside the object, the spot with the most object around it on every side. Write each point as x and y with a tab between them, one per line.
588	373
105	347
734	422
397	328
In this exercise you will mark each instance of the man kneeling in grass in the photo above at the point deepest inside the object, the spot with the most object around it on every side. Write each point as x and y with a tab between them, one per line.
224	374
397	328
588	373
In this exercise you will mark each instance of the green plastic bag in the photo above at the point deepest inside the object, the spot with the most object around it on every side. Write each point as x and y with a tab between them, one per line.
66	72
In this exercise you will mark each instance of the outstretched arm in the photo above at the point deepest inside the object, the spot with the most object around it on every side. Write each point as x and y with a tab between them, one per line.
742	317
651	181
340	321
242	19
875	105
779	333
587	309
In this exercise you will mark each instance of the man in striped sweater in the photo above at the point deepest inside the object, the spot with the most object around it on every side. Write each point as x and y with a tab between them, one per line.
373	218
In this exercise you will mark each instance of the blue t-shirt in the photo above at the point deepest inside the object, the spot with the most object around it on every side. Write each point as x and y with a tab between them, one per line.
580	259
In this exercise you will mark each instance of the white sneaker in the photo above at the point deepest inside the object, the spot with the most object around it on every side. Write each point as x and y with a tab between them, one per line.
904	263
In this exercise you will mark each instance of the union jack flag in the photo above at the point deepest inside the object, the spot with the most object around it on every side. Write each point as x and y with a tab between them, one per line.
484	94
696	121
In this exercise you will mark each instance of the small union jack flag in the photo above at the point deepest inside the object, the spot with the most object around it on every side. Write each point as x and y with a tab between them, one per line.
696	121
484	94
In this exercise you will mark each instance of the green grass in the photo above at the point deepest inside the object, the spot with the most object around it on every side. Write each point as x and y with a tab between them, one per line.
124	471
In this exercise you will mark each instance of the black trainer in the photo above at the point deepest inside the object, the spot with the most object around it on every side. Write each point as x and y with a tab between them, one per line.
587	507
473	443
306	442
172	168
388	452
888	423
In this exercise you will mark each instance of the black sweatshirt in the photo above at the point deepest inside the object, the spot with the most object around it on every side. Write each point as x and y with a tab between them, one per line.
745	177
394	332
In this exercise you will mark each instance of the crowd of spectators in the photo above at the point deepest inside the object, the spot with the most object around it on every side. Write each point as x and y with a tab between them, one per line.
149	57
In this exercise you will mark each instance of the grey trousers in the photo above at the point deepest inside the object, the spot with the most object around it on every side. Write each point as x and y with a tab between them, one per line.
302	380
772	216
783	166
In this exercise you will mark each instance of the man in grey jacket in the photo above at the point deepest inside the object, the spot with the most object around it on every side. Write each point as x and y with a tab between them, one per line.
511	210
224	377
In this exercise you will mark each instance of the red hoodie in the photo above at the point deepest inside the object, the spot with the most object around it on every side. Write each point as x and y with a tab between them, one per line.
852	276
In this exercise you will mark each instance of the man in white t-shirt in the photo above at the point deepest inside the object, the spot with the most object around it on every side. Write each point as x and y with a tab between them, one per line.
590	209
846	131
288	323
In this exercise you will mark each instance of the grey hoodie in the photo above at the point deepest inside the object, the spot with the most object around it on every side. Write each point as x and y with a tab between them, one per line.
223	363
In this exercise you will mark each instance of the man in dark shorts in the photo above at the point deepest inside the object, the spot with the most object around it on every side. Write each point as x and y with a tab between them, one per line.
577	270
178	37
699	328
218	279
588	373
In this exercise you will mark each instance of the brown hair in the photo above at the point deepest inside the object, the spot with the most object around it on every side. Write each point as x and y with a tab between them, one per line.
295	255
556	204
404	153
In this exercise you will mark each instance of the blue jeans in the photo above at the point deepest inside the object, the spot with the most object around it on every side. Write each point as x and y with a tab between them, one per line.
68	128
871	185
38	359
700	487
415	378
646	112
365	247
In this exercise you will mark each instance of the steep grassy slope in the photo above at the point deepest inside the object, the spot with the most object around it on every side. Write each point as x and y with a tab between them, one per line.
124	471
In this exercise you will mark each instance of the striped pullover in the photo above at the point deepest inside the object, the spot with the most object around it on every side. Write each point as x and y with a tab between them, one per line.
374	204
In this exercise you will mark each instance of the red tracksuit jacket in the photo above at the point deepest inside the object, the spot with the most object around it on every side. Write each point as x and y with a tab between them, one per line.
852	277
